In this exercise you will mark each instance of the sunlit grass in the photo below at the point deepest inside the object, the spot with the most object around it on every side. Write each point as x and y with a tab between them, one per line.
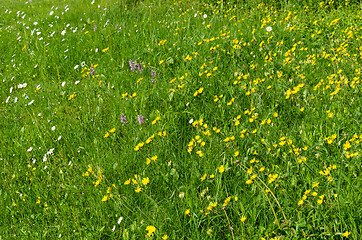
180	120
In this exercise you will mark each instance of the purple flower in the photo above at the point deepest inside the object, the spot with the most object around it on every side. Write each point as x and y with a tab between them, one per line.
132	65
153	74
139	66
91	71
95	28
123	119
141	120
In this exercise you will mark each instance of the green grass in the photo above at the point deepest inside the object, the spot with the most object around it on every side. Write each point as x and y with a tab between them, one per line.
257	133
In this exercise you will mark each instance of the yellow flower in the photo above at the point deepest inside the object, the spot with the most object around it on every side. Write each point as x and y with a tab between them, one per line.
236	153
112	130
221	169
138	189
151	229
346	234
145	181
106	135
105	50
243	218
105	198
164	237
187	212
71	97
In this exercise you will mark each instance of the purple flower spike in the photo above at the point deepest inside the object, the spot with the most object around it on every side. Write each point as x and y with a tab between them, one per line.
123	119
132	65
139	66
153	73
141	120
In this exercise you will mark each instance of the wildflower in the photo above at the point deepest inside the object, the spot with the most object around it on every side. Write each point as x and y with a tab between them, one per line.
151	230
205	15
187	212
221	169
105	198
138	189
132	65
123	119
145	181
268	29
119	220
164	237
139	66
141	120
95	28
153	74
346	234
242	219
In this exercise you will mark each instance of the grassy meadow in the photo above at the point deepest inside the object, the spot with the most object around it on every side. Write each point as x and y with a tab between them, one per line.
180	119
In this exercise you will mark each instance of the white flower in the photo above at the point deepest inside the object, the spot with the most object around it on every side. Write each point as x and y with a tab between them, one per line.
31	102
29	150
63	32
76	82
51	13
205	15
53	128
83	64
195	15
120	220
63	84
114	228
268	29
191	120
60	137
35	23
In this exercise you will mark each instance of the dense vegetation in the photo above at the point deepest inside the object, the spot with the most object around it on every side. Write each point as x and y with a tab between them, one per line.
180	120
